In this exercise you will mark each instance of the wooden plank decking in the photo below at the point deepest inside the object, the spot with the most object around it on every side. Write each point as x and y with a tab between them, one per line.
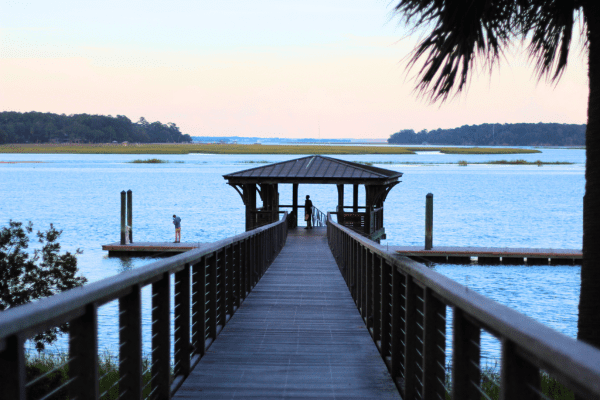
297	335
138	249
487	254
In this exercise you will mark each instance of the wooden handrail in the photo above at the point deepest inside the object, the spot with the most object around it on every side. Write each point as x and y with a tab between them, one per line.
390	289
238	262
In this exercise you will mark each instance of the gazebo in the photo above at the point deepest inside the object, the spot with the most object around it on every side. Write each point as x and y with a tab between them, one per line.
367	219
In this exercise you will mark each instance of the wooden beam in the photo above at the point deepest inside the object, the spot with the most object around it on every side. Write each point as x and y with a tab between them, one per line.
340	189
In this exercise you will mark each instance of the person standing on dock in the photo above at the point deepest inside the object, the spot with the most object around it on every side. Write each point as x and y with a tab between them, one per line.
308	212
177	223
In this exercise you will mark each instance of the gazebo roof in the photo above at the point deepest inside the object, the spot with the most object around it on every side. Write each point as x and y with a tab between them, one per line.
315	169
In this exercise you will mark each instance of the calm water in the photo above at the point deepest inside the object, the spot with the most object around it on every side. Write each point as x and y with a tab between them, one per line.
477	205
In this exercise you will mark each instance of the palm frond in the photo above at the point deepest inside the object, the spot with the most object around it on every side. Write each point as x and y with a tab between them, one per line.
465	30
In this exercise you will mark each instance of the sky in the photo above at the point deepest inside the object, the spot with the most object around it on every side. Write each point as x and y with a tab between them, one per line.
267	68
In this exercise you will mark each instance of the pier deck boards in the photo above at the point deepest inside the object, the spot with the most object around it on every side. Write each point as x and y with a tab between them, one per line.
438	253
297	335
137	249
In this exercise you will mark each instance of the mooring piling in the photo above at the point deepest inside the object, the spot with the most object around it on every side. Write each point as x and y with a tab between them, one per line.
429	221
130	214
123	217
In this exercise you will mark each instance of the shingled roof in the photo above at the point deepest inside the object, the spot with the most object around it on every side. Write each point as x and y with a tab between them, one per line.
315	169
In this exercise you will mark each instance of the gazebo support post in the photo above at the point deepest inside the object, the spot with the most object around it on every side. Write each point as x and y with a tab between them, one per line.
355	199
295	203
250	202
340	189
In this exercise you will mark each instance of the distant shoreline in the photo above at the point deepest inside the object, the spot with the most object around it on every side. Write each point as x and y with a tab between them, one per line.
245	149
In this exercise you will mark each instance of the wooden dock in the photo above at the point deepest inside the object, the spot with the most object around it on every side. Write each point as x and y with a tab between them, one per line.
491	255
297	335
154	249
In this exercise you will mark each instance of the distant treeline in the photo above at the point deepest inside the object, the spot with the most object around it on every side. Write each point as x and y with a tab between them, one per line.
498	135
37	127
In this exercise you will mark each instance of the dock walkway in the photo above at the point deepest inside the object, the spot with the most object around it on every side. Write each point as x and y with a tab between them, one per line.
491	255
297	335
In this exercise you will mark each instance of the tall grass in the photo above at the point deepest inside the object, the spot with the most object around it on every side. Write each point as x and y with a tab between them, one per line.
57	370
149	161
242	149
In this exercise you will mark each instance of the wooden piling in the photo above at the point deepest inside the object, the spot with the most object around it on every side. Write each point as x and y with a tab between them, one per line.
123	217
429	221
130	214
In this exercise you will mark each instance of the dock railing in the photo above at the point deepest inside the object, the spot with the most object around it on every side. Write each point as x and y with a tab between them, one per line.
404	305
209	286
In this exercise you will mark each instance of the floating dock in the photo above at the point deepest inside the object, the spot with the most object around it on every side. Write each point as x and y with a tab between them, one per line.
149	249
440	255
491	255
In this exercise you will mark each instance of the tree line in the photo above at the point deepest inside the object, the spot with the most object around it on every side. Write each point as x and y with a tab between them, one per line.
540	134
37	127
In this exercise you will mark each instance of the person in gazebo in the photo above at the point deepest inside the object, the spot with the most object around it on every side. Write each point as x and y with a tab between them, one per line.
308	212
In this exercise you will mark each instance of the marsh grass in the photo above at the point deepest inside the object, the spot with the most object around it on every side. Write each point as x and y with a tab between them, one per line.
108	371
464	163
243	149
149	161
490	384
57	370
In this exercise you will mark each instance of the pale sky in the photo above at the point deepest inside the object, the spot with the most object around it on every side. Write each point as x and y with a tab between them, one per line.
329	69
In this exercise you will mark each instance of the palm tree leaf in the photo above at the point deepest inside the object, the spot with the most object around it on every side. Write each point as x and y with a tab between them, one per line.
465	30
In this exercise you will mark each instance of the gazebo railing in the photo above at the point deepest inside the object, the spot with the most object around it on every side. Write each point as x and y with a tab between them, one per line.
405	306
318	217
209	286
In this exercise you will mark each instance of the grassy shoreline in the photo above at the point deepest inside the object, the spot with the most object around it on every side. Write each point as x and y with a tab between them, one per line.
465	163
244	149
108	370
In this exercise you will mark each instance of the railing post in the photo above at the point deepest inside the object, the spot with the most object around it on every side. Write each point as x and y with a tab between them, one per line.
398	338
376	268
360	281
199	307
434	347
386	309
130	349
83	352
465	358
238	274
123	217
369	289
182	322
12	368
214	299
161	338
223	283
230	263
410	338
519	378
429	221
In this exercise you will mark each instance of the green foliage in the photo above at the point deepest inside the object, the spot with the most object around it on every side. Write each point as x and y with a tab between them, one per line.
36	127
108	371
460	32
462	163
28	276
497	134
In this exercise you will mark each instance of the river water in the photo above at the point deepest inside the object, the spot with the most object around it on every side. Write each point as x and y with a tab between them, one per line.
476	205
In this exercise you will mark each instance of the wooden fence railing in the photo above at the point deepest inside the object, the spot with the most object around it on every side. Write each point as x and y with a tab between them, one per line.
405	306
209	285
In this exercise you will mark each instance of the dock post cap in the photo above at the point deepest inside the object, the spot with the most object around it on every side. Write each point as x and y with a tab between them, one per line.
429	195
129	191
